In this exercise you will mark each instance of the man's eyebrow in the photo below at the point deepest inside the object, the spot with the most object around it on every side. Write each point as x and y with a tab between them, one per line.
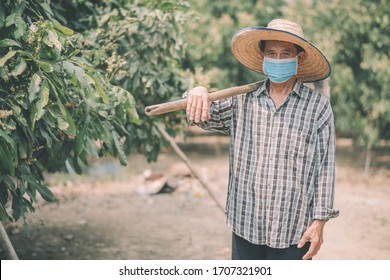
288	49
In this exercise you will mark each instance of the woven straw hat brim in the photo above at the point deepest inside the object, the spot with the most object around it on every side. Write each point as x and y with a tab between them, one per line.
245	47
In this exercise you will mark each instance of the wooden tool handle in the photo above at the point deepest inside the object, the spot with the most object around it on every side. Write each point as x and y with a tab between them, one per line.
172	106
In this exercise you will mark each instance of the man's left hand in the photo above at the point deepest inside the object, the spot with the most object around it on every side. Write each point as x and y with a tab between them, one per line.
313	234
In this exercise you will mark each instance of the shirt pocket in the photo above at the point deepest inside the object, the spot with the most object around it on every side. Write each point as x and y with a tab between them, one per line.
300	143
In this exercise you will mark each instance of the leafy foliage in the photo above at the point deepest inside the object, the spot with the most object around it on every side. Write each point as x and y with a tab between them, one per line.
358	39
139	46
210	30
65	95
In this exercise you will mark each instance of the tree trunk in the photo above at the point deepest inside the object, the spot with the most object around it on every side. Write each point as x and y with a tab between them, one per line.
368	161
7	244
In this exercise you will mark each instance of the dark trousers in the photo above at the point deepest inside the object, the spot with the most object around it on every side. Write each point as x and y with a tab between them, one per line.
244	250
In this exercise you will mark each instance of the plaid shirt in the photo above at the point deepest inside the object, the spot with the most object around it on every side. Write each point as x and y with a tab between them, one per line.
282	163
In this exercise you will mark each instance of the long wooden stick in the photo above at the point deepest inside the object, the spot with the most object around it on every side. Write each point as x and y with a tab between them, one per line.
181	154
166	107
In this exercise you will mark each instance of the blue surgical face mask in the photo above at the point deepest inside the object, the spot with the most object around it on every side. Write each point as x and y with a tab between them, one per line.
280	70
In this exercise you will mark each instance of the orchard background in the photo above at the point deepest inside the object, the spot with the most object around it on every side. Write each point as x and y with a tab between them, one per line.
76	75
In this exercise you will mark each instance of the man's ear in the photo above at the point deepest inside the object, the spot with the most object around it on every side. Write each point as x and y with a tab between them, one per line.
301	57
261	53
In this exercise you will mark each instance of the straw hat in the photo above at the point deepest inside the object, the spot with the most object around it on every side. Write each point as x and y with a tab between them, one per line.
245	47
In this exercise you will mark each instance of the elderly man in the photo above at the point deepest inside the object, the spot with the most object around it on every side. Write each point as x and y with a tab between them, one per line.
282	145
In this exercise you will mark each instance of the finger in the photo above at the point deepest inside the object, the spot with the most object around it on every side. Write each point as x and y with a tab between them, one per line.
206	109
302	242
189	103
199	108
193	109
310	253
313	250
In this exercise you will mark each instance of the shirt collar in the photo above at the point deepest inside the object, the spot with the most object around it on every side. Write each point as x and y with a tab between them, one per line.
297	89
262	89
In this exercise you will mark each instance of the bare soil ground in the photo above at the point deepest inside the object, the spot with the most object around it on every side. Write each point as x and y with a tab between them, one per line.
112	212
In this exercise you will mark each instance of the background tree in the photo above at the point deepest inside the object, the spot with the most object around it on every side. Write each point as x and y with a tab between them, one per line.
210	29
139	46
356	36
65	96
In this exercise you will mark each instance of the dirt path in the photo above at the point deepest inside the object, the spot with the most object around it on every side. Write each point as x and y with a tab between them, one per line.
111	213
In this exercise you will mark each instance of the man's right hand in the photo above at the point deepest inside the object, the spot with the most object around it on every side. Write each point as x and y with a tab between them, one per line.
198	105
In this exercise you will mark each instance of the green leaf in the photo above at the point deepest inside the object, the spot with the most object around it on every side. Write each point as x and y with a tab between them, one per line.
82	77
47	8
51	39
34	86
2	18
10	182
9	43
166	5
61	106
19	67
4	195
77	72
5	58
45	192
63	29
119	148
68	67
49	140
33	116
71	131
17	206
80	138
77	165
23	147
20	27
6	158
7	138
56	113
46	66
64	119
10	20
100	89
43	99
17	113
28	205
54	54
91	148
4	74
